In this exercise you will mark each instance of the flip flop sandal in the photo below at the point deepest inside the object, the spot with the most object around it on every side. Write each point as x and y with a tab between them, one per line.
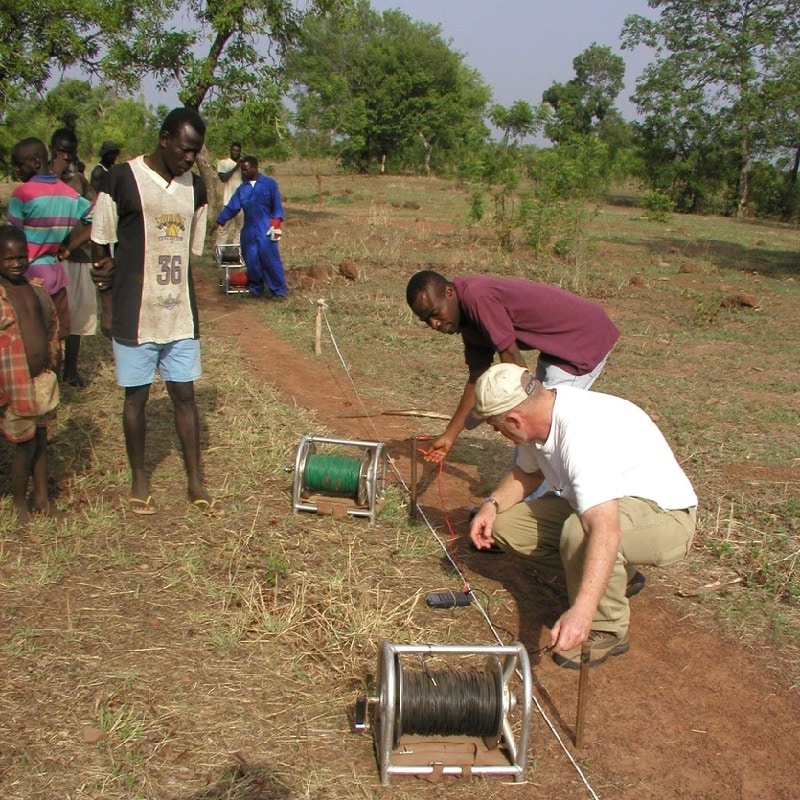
142	507
208	509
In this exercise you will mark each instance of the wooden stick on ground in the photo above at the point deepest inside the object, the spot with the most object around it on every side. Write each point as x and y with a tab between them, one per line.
318	329
583	692
413	412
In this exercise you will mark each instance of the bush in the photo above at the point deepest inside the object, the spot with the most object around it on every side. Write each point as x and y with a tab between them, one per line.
657	206
772	193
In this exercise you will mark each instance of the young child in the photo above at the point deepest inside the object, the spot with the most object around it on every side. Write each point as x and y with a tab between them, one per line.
29	348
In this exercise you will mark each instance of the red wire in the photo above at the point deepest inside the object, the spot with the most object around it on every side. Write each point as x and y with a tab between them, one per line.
452	533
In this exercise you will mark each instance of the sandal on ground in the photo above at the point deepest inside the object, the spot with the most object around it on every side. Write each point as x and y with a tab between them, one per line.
142	507
208	508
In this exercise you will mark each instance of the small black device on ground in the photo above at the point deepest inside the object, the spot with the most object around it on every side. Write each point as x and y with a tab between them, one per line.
448	599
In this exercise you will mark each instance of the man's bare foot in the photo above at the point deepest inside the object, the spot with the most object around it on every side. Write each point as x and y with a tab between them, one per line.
22	514
47	509
75	380
198	492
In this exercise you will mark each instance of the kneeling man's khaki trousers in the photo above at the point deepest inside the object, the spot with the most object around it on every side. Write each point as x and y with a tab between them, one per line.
549	533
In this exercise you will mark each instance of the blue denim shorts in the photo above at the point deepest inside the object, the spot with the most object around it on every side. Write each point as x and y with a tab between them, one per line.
178	362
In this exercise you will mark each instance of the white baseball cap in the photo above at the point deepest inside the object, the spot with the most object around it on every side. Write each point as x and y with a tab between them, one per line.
501	388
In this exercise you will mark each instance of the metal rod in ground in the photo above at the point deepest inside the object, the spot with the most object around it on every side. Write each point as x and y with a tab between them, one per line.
583	692
318	328
413	487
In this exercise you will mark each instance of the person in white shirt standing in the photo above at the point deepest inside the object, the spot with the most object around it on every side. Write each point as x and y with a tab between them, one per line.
229	171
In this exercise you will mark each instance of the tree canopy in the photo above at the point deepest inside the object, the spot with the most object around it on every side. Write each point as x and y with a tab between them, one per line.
384	86
230	54
717	80
40	38
518	120
231	49
583	102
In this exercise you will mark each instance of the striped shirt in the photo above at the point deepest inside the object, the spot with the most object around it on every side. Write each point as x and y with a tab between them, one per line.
46	209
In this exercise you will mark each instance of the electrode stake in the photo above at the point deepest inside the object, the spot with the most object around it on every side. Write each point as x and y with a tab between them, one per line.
583	692
318	328
413	502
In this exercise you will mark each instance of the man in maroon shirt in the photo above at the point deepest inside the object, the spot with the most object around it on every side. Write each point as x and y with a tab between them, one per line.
573	335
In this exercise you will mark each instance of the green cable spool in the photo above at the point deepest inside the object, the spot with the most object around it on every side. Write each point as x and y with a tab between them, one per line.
333	474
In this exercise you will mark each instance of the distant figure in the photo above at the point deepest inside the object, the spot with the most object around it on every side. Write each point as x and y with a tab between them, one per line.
153	210
54	218
109	153
81	291
229	171
260	200
28	384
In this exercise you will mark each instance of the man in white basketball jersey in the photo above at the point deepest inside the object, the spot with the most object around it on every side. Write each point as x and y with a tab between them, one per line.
153	211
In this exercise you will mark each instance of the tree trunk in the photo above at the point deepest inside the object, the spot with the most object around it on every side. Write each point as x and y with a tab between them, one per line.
209	176
795	167
744	178
427	145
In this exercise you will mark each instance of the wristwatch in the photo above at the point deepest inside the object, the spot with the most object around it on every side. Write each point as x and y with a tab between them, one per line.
493	501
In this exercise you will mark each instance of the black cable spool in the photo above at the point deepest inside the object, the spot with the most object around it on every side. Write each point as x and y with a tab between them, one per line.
230	255
441	703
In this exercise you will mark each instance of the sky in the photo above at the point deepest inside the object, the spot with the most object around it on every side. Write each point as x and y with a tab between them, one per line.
520	47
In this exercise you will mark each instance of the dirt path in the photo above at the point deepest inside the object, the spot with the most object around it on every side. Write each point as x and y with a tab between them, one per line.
686	714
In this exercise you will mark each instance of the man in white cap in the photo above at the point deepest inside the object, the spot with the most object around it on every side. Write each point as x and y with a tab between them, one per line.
619	499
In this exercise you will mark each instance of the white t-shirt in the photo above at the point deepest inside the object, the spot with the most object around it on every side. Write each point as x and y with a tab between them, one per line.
603	448
232	184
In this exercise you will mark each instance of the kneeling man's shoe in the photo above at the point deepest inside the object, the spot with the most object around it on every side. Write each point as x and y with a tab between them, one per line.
604	644
635	584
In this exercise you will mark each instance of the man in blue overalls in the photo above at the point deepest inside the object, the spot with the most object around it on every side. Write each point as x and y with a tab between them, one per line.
260	200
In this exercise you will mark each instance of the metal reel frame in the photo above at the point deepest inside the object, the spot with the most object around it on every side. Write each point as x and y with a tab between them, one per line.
226	266
387	708
371	481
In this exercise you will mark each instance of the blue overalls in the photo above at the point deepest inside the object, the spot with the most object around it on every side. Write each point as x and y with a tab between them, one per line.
261	204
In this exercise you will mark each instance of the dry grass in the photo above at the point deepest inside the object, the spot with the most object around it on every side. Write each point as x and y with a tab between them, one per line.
211	658
200	658
721	382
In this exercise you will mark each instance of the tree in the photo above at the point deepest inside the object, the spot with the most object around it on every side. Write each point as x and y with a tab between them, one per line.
233	48
517	121
584	102
94	113
716	74
39	38
784	126
383	87
232	51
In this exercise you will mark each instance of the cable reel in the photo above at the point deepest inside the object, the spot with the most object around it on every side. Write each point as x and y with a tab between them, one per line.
232	269
417	713
329	481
